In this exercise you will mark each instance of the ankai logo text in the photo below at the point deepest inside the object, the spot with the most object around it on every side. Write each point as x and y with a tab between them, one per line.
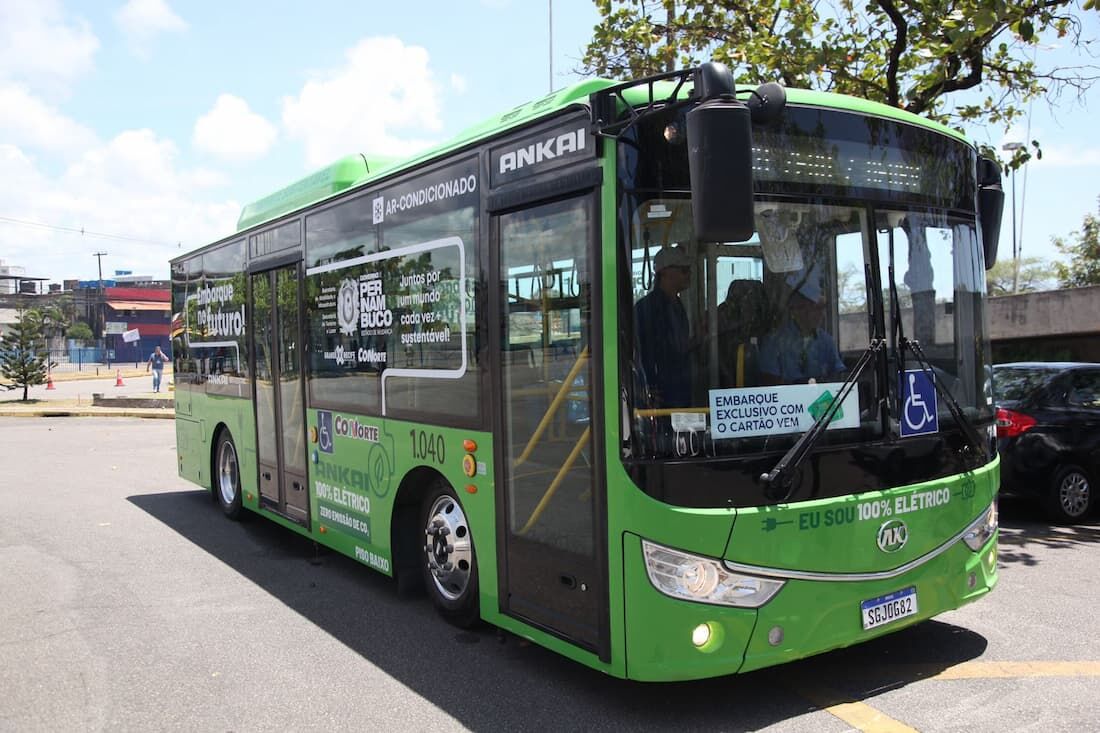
548	149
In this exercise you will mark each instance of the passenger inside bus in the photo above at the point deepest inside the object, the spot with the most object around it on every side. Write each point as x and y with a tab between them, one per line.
800	349
741	322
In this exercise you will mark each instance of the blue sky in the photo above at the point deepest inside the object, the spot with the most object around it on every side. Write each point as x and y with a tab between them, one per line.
155	120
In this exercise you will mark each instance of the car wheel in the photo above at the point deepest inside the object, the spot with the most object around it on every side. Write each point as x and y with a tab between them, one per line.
227	476
448	562
1070	497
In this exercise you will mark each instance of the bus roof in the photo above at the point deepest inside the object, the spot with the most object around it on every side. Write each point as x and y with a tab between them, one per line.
358	169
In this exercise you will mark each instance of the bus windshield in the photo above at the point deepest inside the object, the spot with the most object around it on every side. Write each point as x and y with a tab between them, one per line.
734	349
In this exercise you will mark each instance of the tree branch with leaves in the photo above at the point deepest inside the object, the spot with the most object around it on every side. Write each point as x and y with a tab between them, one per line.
916	55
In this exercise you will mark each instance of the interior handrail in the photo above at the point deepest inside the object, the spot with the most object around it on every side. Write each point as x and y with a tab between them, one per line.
550	490
566	387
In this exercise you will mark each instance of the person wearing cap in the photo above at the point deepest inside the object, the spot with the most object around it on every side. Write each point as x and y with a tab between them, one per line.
663	332
800	349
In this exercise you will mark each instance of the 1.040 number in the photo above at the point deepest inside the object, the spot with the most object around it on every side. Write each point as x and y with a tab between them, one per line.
427	446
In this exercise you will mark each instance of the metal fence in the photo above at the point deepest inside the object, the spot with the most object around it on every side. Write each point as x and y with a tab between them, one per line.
90	359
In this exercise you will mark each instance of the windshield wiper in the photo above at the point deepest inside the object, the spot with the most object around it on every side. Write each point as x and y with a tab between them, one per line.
780	476
970	433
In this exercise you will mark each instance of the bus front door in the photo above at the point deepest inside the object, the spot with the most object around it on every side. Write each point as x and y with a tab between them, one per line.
552	552
280	400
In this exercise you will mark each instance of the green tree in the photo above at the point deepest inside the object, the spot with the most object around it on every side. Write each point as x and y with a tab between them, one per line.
1035	273
910	54
1083	252
22	354
52	318
80	332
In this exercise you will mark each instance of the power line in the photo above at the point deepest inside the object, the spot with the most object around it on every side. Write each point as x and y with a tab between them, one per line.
81	231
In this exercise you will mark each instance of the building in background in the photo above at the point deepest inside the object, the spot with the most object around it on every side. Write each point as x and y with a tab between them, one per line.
128	314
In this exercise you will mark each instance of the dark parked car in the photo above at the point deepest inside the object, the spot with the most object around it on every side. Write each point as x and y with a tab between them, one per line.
1048	434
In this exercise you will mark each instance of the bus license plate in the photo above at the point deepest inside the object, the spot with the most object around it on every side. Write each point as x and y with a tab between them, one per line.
889	608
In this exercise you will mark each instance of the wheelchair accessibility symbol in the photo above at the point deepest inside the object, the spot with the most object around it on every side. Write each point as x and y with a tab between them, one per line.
324	431
919	414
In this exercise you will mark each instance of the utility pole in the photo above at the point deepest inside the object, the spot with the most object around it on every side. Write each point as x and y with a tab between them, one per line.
1012	148
99	317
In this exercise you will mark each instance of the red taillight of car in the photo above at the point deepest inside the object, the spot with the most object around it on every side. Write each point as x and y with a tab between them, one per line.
1011	423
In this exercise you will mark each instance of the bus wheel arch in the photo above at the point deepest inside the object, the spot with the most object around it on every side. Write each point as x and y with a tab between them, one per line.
430	525
406	534
225	473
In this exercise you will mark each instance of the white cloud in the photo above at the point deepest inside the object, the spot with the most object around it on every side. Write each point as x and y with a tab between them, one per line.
142	20
28	121
385	91
132	186
458	83
41	46
231	130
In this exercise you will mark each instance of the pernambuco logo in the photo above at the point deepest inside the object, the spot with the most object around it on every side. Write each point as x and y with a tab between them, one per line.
347	307
892	535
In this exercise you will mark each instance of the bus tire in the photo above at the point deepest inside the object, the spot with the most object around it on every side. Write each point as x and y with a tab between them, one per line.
1070	497
448	562
227	476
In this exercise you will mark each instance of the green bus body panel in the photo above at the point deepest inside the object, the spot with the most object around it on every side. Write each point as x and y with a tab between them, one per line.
814	616
658	628
820	616
199	431
840	535
335	178
353	489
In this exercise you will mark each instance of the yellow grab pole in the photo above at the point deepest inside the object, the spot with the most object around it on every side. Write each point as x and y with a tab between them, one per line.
557	481
566	386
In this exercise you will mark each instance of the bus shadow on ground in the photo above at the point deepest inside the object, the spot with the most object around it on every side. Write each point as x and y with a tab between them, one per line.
491	680
1023	527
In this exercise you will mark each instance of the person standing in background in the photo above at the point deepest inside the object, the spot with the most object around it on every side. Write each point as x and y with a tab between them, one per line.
156	361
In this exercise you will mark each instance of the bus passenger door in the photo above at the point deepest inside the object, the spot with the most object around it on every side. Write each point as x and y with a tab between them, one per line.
280	402
553	529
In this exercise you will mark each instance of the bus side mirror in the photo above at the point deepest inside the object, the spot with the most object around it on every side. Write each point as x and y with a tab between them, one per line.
719	138
991	204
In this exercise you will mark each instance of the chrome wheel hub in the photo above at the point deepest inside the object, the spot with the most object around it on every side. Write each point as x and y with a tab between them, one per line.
227	473
448	549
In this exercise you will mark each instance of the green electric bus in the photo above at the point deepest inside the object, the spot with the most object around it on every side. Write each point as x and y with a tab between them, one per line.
674	377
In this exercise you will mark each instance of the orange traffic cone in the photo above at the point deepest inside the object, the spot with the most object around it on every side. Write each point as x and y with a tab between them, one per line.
118	378
49	382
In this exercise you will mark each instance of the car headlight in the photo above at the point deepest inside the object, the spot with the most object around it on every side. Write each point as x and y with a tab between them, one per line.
981	529
703	579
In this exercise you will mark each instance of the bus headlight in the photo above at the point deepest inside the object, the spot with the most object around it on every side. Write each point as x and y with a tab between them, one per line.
982	528
703	579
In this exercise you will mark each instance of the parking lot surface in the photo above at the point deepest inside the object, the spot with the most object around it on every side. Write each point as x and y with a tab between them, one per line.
130	603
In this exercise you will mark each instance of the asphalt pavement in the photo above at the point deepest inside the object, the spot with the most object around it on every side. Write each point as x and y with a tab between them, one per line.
131	604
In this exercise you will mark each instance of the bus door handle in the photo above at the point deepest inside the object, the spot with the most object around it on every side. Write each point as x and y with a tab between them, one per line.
297	485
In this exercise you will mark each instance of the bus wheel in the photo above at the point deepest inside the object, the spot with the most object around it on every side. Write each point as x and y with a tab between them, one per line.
449	564
1070	496
227	478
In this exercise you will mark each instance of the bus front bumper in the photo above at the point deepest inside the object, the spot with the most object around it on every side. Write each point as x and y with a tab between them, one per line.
806	617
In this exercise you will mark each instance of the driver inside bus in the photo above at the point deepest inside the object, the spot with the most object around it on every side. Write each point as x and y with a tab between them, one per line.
799	349
663	332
